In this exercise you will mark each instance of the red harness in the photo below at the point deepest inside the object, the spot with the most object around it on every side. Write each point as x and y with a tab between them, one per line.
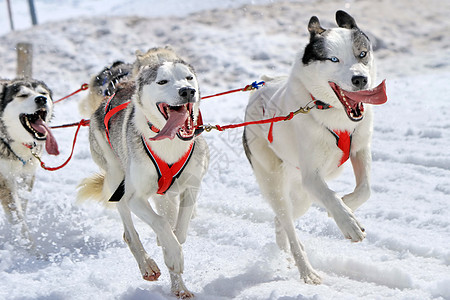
166	173
343	142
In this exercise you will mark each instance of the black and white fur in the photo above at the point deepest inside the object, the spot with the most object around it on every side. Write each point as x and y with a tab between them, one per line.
293	169
159	76
22	101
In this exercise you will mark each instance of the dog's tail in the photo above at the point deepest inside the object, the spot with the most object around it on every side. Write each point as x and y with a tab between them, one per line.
91	188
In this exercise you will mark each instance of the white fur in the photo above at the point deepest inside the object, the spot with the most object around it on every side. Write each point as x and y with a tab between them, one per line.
292	171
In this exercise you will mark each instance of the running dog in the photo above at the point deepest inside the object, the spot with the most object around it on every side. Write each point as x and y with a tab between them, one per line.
26	107
292	160
145	141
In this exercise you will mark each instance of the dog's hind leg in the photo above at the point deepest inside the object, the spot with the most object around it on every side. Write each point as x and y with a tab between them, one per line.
149	269
270	175
285	216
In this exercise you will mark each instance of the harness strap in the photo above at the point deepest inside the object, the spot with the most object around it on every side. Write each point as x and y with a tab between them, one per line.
167	173
111	112
343	142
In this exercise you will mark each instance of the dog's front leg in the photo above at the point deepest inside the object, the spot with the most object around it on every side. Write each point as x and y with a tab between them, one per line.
14	212
149	269
344	217
361	162
173	255
187	204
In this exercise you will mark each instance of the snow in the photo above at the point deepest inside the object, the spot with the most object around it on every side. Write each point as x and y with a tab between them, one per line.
231	252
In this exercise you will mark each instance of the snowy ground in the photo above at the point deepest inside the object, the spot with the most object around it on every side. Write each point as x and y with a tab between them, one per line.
231	252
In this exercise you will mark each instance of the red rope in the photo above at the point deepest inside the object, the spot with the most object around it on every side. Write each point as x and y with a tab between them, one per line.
249	87
83	87
265	121
84	122
79	124
224	93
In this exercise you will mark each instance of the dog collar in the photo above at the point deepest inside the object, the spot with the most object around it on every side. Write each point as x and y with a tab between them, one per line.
14	154
320	104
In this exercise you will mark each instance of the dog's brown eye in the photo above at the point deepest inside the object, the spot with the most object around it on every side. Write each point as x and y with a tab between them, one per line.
189	78
23	95
162	82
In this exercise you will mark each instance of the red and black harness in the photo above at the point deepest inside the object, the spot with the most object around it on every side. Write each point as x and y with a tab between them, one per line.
167	173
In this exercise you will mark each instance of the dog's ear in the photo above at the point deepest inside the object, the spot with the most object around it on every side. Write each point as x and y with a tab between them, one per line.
344	20
314	26
139	53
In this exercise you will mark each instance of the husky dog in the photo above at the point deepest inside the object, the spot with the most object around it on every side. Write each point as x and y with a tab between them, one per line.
150	149
25	109
292	160
103	85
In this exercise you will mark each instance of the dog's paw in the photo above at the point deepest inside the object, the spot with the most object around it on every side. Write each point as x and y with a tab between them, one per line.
311	277
150	270
183	294
178	287
350	226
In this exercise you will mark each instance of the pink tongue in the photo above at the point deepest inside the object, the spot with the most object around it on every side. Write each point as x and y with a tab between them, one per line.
176	120
50	143
374	96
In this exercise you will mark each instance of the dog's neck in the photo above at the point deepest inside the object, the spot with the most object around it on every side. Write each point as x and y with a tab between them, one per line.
168	150
19	151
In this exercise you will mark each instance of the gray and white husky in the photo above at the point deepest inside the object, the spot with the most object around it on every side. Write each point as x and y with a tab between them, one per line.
26	107
151	149
292	160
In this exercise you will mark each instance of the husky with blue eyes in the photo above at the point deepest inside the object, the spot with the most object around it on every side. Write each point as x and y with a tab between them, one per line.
335	76
144	137
26	107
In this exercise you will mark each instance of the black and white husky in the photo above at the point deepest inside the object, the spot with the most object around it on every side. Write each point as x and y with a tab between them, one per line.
26	107
292	160
144	139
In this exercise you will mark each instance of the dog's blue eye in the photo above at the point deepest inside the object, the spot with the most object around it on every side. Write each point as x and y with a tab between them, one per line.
362	54
334	59
162	82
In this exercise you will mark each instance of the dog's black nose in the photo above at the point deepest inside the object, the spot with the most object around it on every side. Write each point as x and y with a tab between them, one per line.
40	100
187	93
359	81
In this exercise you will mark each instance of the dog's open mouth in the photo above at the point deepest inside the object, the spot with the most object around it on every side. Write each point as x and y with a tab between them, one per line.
35	124
179	122
353	101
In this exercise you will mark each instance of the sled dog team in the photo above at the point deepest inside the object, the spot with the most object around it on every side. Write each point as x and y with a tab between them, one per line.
144	137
